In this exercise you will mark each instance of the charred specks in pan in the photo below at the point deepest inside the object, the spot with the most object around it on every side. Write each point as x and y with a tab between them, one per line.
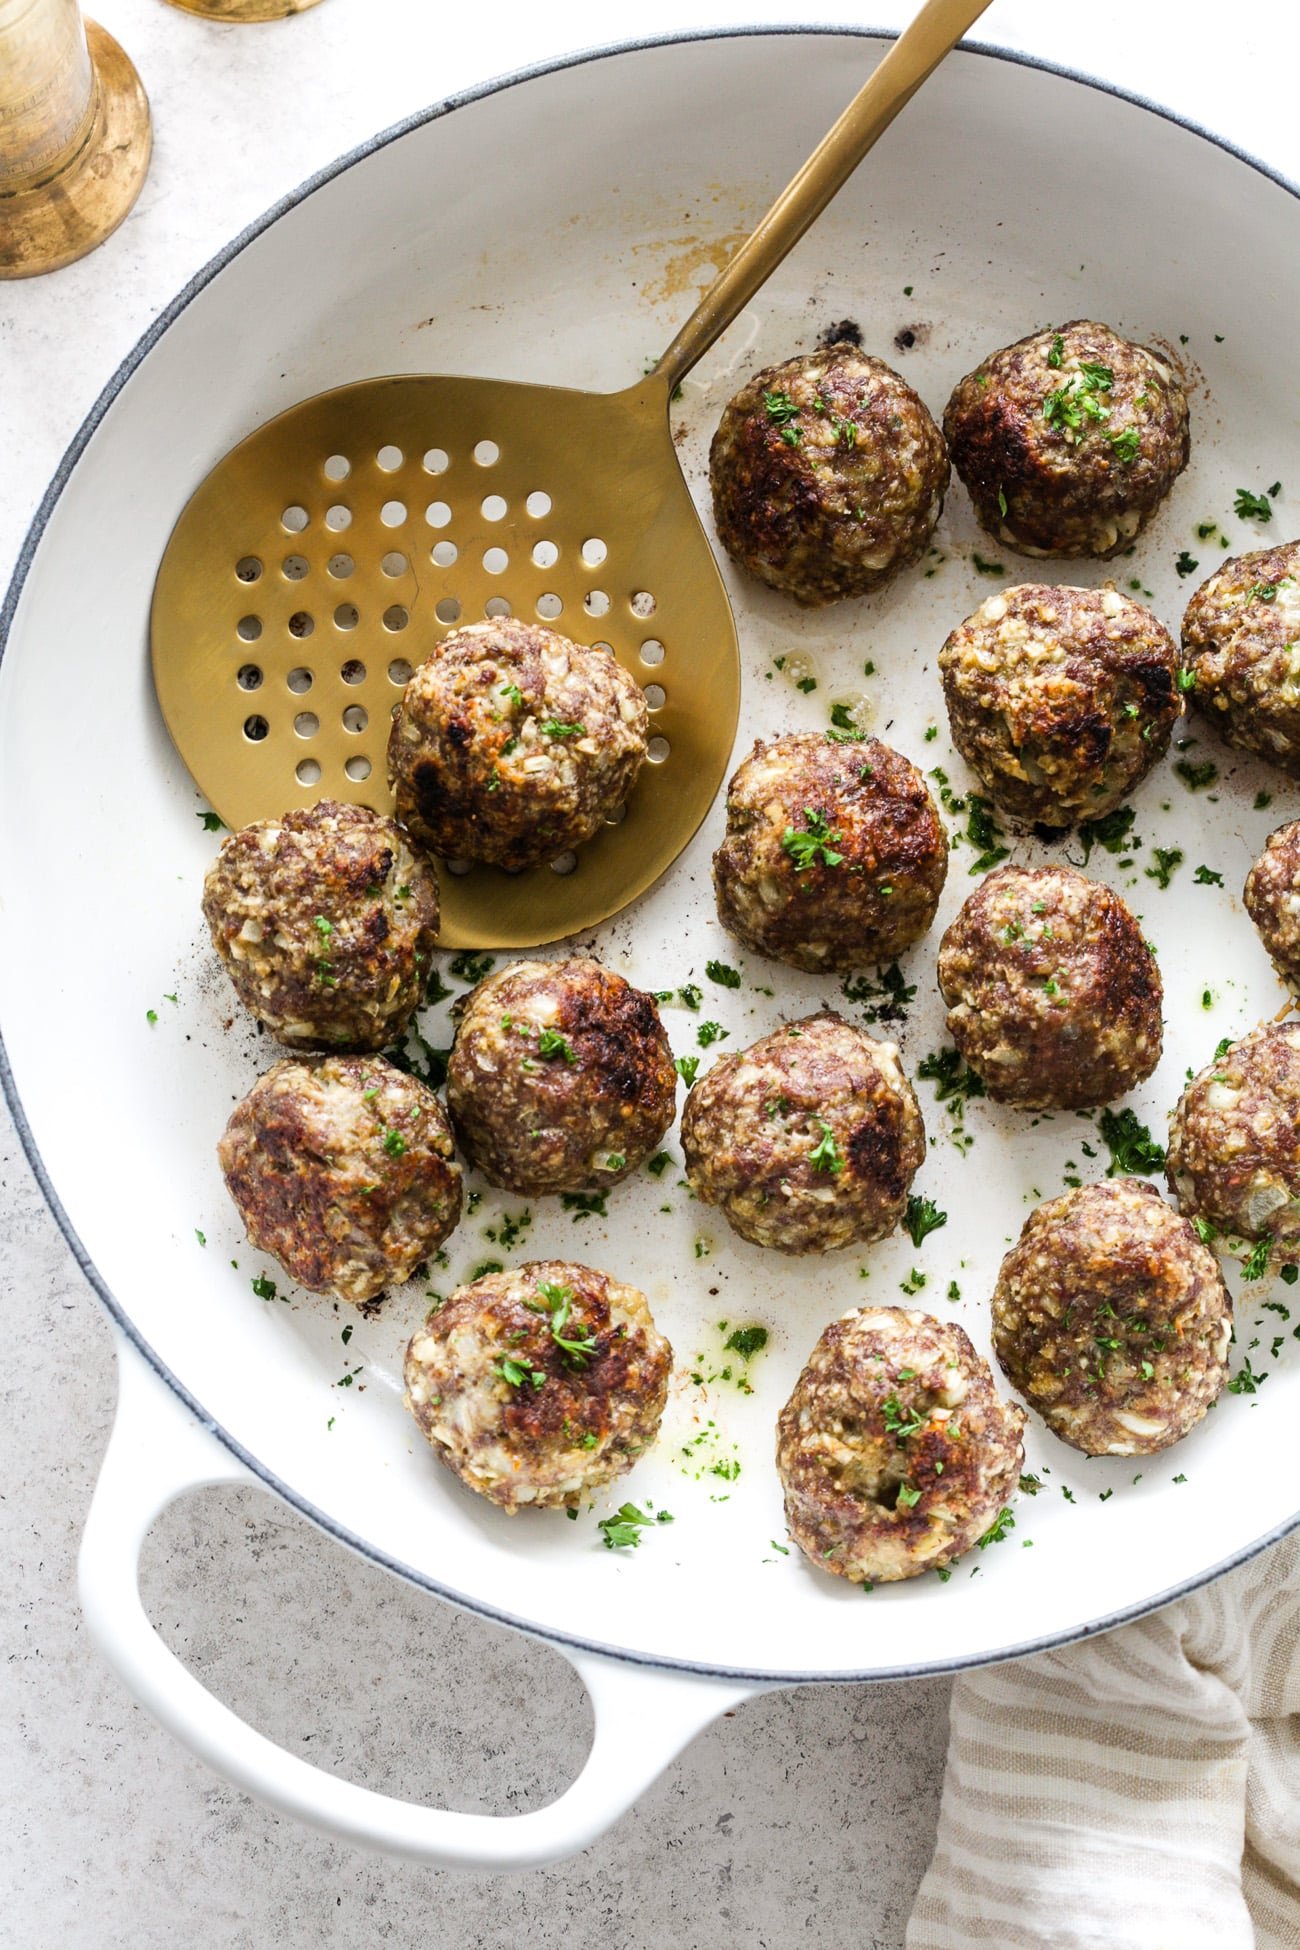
846	332
912	335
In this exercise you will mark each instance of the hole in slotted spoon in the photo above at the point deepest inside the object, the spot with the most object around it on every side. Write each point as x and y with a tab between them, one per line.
435	461
340	566
549	606
545	554
594	552
248	568
396	617
596	602
294	518
295	567
437	514
248	628
495	561
299	679
337	468
307	771
393	514
443	554
358	768
495	607
306	724
353	671
389	458
457	866
493	507
565	864
652	651
655	697
447	610
301	623
643	603
347	616
255	729
355	718
249	677
487	453
394	563
338	517
617	817
399	671
538	504
657	750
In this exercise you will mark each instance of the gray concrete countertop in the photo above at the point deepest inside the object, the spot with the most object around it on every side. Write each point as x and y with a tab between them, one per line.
807	1812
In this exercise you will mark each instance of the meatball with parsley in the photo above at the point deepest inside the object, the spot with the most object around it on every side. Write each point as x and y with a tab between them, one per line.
828	475
834	856
541	1385
1234	1146
809	1140
895	1452
1241	663
561	1077
1069	440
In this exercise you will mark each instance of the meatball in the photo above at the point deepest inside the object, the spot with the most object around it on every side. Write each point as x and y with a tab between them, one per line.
1112	1320
1241	664
1053	995
512	744
1061	700
1272	896
561	1077
342	1170
834	854
828	475
1234	1144
540	1385
894	1451
1068	440
326	922
808	1140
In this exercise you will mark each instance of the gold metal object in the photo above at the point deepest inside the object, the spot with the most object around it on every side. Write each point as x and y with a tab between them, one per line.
330	551
75	137
244	9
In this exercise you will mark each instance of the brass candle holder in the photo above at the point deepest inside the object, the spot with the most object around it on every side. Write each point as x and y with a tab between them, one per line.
244	9
75	137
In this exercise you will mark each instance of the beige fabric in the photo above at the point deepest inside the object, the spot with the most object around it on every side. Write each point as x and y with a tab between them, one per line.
1139	1791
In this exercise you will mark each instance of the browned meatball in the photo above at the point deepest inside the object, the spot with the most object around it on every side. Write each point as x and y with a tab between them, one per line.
1242	664
828	475
342	1170
894	1451
1234	1144
513	744
1061	700
540	1385
1069	440
834	854
1112	1319
1053	995
561	1077
809	1140
1272	896
326	922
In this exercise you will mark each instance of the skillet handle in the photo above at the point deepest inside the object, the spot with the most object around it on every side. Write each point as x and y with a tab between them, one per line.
157	1451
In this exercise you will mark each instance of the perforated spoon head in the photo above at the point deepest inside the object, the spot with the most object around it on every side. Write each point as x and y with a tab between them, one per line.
328	554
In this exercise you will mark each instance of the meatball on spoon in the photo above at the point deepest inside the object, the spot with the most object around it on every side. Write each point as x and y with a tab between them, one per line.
431	500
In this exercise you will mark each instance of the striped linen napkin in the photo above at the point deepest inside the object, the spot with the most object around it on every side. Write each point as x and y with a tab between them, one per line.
1137	1791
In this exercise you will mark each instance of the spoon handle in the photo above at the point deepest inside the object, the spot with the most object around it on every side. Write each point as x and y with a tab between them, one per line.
936	29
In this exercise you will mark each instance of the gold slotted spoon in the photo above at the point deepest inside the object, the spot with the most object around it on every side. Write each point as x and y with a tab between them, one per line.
328	552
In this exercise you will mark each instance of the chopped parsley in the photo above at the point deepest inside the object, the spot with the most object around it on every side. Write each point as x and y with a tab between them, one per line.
725	977
659	1164
1131	1145
943	1068
1252	507
984	834
551	1043
1167	861
826	1154
1256	1263
807	685
556	1302
1204	877
1246	1381
1126	444
1076	400
780	408
471	968
1111	832
816	840
1186	680
558	728
394	1143
710	1032
1197	777
747	1341
512	692
623	1530
1186	564
843	727
923	1217
997	1530
690	997
211	822
900	1422
985	568
517	1374
687	1068
1262	592
885	1000
264	1288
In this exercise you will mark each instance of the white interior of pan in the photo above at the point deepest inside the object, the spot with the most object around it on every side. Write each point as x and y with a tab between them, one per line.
558	231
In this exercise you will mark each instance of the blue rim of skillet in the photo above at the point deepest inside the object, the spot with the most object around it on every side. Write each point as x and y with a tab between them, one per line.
81	439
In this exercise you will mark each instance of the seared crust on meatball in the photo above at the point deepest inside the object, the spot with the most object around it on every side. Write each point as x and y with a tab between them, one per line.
808	1140
1061	700
540	1385
513	744
1272	897
1234	1143
561	1077
1112	1320
894	1451
864	891
326	922
343	1172
1240	635
828	475
1053	995
1068	440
